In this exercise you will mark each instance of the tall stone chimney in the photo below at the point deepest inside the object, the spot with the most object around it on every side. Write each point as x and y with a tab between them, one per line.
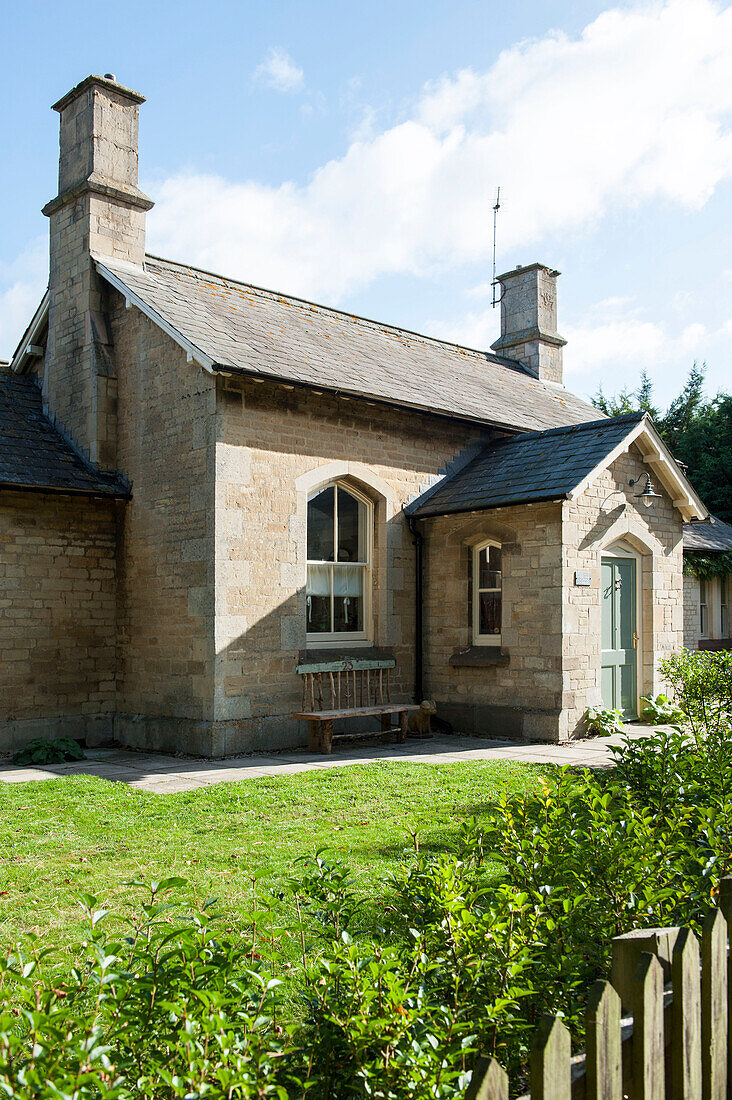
99	209
529	320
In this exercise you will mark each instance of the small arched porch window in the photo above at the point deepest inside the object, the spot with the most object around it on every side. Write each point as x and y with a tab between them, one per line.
340	541
487	593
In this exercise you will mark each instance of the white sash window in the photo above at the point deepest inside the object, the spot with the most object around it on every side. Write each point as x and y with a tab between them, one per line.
338	594
487	594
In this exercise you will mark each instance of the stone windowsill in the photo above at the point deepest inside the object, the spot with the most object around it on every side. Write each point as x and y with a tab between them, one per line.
361	656
480	656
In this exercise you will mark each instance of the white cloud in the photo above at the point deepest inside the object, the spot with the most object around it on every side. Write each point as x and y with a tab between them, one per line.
634	110
22	284
280	72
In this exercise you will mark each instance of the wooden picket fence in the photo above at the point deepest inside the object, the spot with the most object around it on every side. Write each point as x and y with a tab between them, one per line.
658	1030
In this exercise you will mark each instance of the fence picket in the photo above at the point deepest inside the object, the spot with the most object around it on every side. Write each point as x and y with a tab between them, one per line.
603	1056
493	1085
714	1007
648	1042
725	904
686	1062
551	1055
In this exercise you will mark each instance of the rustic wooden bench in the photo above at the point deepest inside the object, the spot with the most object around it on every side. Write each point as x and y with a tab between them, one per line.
349	688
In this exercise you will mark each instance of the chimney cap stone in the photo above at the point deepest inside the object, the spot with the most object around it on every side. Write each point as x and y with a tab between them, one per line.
107	81
521	269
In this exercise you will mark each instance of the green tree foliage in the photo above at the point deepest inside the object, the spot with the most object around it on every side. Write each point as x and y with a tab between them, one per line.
698	432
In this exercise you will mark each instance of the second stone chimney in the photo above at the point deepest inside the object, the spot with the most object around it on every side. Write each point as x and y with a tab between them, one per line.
99	209
529	320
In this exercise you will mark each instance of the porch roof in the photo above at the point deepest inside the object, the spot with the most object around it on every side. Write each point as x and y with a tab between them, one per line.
553	465
710	534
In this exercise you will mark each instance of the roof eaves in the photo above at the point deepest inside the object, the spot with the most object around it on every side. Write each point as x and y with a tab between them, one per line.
39	319
548	498
364	395
108	493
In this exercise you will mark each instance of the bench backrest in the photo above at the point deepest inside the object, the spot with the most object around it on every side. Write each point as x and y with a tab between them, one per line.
344	685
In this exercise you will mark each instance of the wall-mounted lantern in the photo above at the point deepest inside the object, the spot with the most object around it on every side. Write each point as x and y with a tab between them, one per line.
647	493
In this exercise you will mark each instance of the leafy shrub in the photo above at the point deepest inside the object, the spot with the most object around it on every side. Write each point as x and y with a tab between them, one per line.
702	685
176	1007
603	722
662	710
45	750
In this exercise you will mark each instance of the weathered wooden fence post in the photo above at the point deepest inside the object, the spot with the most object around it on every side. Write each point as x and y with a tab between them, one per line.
604	1061
725	904
492	1086
714	1007
648	1040
551	1061
686	1062
626	954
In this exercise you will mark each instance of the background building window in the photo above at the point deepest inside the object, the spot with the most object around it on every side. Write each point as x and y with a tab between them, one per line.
723	610
487	594
703	609
338	594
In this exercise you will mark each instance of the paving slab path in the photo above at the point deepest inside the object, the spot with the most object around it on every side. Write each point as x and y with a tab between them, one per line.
167	774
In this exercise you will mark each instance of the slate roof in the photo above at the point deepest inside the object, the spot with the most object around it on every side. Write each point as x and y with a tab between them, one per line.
708	534
532	467
243	328
34	455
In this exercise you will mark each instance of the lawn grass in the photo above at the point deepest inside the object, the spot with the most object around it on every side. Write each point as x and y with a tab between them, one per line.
80	834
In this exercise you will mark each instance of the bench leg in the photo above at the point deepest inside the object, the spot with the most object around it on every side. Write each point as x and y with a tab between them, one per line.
403	719
385	722
313	735
326	737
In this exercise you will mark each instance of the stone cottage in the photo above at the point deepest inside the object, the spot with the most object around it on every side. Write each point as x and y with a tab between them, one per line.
707	584
207	488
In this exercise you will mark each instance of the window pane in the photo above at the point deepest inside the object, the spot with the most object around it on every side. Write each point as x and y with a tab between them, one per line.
351	527
489	613
321	510
318	599
348	588
489	567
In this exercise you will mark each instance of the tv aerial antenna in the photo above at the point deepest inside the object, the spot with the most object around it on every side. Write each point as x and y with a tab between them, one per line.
496	297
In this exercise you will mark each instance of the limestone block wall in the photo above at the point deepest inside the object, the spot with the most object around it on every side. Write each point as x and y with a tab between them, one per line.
273	446
692	619
57	617
166	549
603	514
521	698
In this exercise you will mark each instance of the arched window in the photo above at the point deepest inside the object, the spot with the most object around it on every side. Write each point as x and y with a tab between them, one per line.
487	594
338	594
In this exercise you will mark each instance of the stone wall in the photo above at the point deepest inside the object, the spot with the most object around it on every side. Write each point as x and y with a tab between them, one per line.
520	698
273	446
603	514
166	550
692	618
57	617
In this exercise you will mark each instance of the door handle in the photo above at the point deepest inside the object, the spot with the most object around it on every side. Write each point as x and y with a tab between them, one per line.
635	639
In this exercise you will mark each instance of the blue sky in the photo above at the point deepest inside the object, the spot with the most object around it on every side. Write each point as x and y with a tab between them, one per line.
350	153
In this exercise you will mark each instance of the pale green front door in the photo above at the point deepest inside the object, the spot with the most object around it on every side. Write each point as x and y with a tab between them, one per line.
619	637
